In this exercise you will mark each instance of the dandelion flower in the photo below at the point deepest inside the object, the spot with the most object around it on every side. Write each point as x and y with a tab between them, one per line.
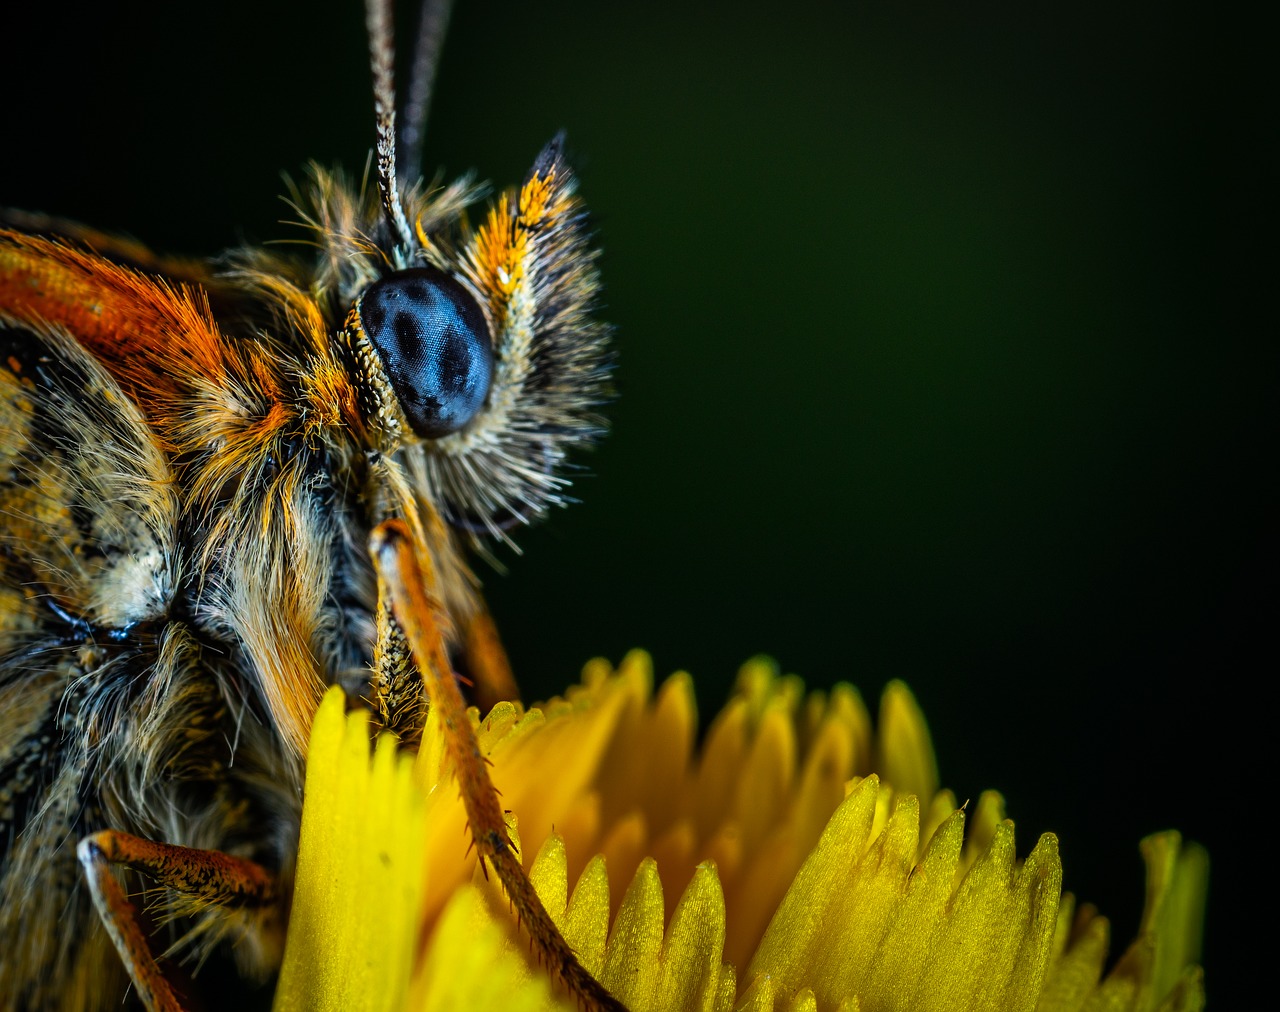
797	861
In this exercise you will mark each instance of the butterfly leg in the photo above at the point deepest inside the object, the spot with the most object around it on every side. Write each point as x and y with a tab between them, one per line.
487	662
391	546
207	875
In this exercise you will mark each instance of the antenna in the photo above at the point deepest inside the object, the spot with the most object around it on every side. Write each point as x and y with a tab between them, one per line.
382	61
432	27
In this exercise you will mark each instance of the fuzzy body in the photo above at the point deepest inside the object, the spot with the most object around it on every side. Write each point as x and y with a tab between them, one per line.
191	461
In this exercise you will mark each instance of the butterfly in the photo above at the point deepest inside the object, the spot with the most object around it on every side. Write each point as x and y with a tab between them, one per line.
228	485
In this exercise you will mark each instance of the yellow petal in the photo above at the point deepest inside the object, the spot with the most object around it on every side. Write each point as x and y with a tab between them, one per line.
905	748
587	919
693	947
1177	882
470	965
632	965
362	835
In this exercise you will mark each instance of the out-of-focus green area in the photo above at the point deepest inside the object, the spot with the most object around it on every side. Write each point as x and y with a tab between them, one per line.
932	363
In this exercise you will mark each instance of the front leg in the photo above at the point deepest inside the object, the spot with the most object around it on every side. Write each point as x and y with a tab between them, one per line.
391	546
206	875
486	661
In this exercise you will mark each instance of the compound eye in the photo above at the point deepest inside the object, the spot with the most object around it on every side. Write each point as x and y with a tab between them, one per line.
434	345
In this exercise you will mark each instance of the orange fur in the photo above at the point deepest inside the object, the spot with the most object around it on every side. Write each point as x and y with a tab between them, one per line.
146	332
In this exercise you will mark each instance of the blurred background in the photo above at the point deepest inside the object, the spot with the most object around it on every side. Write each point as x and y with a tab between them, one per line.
932	360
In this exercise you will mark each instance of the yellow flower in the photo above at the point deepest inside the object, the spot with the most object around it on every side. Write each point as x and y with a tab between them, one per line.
774	870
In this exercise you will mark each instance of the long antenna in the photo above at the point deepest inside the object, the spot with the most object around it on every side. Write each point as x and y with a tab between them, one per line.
432	26
382	60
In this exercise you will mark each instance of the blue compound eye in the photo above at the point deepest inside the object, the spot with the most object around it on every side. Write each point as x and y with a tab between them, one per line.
434	345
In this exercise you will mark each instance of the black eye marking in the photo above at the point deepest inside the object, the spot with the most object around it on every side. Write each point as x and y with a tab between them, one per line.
434	344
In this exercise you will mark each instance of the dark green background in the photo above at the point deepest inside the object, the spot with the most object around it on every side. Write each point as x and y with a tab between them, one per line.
932	361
